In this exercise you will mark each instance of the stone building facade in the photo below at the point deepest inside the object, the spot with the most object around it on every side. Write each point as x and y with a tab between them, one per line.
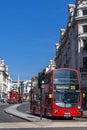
23	87
71	51
5	79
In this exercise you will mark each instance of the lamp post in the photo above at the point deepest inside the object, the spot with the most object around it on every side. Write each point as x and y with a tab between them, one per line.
18	87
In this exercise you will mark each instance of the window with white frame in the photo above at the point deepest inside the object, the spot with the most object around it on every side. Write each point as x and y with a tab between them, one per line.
85	12
84	44
85	62
84	28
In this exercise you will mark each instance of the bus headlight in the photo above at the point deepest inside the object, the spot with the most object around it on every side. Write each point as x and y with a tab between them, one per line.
79	107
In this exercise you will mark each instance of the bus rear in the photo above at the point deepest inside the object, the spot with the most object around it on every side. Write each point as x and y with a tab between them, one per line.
12	97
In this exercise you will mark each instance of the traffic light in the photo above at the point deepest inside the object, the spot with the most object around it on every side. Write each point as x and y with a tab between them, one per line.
41	79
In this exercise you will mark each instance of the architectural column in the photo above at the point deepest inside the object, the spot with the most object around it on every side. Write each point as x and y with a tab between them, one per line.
79	53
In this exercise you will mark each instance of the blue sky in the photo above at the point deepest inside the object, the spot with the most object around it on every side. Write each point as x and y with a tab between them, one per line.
29	30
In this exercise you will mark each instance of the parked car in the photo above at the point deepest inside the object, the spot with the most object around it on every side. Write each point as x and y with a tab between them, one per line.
2	100
10	101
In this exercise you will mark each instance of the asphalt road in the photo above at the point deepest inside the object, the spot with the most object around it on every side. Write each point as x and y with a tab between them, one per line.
25	108
4	117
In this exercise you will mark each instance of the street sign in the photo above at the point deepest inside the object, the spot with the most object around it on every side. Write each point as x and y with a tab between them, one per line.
43	86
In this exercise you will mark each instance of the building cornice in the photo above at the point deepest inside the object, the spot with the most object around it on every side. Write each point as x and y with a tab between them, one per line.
82	35
81	3
81	18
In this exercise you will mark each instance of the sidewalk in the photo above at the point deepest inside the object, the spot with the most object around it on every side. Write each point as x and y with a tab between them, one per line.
85	114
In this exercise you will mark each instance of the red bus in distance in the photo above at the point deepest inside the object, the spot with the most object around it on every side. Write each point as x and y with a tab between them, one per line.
61	94
13	97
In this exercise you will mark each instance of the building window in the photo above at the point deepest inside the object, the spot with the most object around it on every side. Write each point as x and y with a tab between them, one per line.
85	62
84	12
85	44
85	29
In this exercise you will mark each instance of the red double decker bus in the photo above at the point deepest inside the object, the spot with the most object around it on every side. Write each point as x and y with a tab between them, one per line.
60	92
13	97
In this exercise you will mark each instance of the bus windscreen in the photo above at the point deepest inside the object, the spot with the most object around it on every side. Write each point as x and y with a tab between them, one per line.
66	88
65	76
